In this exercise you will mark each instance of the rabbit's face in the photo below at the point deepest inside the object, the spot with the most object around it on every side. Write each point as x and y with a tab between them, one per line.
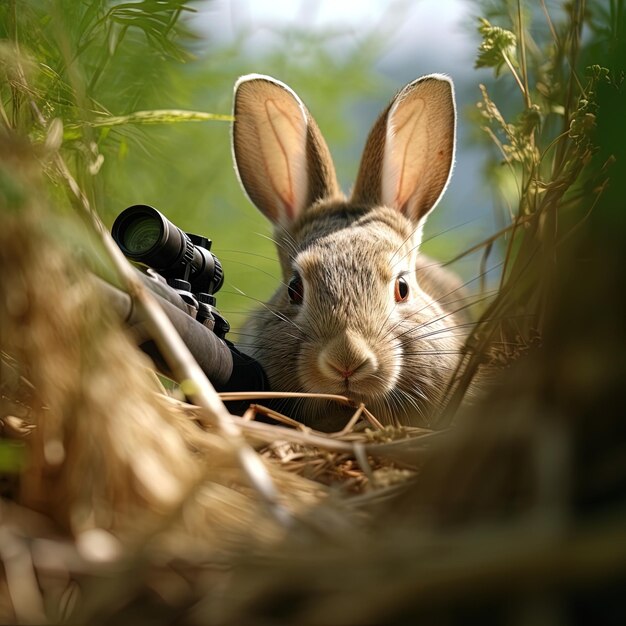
356	315
343	275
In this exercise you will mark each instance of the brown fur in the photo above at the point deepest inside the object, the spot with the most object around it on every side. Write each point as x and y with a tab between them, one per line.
349	335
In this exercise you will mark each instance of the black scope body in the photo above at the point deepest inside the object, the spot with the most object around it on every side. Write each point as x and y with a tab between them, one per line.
146	236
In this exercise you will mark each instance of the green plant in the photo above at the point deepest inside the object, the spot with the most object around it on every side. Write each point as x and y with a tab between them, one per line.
544	174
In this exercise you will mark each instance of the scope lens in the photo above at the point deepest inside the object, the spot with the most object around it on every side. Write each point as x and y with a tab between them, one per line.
142	234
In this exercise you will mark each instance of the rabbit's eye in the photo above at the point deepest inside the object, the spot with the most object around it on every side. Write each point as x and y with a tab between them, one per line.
295	289
401	290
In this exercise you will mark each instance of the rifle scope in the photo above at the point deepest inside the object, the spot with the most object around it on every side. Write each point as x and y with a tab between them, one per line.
146	236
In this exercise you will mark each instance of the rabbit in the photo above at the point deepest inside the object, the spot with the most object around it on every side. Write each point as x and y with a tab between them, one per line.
361	312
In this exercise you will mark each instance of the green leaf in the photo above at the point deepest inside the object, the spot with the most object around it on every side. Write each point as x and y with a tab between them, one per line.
12	456
162	116
497	46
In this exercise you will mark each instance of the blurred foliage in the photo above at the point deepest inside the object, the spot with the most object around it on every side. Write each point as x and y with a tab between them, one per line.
497	46
12	456
105	69
518	517
545	136
548	170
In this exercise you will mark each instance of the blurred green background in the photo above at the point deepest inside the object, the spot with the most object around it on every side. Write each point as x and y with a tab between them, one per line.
92	59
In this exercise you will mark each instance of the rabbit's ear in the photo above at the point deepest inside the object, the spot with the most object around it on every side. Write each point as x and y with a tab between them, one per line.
409	153
280	156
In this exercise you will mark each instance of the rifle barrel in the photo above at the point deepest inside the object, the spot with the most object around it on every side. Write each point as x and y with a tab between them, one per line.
225	366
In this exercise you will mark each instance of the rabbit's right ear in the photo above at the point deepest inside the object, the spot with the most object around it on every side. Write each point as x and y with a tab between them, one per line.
281	159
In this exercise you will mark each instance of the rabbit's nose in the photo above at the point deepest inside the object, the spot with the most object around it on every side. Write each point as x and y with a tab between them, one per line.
347	357
346	371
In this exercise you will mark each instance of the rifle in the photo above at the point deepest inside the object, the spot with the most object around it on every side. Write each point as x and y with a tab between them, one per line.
184	276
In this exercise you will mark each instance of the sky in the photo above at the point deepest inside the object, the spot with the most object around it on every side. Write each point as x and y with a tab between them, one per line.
436	26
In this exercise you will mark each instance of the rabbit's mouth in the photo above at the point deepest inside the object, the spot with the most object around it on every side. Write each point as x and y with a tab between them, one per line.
365	390
348	366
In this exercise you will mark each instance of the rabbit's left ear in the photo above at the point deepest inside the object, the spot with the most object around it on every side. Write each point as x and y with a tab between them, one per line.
409	153
280	155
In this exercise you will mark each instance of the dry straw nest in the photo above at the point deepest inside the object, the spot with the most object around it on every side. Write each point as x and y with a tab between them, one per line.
124	504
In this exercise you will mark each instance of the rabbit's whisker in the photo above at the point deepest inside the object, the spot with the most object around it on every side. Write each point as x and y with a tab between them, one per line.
291	250
234	260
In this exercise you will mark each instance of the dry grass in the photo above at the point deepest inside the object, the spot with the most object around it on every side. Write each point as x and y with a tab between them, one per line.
125	505
122	504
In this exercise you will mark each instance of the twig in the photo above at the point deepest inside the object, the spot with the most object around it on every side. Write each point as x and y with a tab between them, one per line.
515	74
20	579
188	372
175	352
277	395
522	45
276	416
